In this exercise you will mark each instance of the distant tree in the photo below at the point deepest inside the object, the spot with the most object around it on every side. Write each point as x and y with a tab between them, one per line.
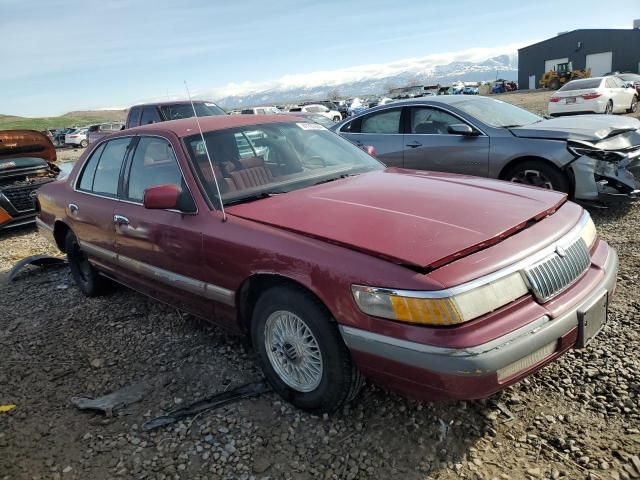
334	94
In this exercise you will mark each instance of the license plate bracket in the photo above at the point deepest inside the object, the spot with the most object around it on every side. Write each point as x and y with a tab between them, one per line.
591	319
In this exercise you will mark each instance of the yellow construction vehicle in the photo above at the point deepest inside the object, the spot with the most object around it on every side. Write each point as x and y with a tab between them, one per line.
561	74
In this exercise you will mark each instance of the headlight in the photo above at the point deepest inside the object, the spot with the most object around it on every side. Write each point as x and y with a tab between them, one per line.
604	155
588	232
421	308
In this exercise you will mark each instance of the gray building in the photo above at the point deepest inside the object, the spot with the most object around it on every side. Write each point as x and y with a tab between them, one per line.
599	49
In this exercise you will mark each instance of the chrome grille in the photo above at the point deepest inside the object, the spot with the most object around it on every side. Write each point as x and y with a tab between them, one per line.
555	273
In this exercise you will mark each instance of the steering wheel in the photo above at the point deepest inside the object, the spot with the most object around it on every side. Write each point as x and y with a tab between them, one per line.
314	162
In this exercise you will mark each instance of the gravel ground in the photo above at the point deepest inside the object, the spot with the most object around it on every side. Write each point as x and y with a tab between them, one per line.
577	418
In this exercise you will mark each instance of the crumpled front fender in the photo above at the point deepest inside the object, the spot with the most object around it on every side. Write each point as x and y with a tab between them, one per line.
597	178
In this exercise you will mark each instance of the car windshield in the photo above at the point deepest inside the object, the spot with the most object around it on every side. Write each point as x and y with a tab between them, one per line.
497	113
581	84
256	161
185	110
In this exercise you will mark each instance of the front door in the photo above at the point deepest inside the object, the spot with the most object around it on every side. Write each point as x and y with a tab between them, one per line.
91	205
381	130
430	146
160	251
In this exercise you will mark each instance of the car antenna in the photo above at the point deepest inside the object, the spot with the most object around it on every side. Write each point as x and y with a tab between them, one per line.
206	150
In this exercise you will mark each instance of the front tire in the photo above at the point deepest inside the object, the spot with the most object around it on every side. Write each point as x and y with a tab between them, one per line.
537	173
84	274
84	143
634	105
301	351
554	84
336	119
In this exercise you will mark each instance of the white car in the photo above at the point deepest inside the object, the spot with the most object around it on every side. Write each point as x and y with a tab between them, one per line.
77	138
320	110
594	95
270	110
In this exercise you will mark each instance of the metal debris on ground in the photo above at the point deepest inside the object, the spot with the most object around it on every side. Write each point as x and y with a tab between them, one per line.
215	401
113	401
37	260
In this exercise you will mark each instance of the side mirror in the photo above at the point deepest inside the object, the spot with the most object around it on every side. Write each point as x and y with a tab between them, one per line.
461	129
162	197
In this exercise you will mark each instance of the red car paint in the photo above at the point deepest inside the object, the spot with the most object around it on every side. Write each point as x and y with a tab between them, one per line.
388	228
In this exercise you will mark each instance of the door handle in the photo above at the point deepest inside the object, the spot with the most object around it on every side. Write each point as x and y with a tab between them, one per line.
414	144
120	220
359	143
73	208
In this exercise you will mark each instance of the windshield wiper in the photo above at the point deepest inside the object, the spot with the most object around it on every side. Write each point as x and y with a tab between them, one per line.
510	126
333	179
256	196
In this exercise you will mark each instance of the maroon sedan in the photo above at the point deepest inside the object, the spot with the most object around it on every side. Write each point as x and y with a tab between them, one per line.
440	286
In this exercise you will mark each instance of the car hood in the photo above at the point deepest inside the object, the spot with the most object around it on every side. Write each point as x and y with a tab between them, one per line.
589	128
32	144
419	219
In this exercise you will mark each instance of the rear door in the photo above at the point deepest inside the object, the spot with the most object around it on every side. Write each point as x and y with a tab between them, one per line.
93	201
160	251
430	146
381	130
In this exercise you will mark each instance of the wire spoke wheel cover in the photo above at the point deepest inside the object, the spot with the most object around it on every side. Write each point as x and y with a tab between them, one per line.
534	178
293	351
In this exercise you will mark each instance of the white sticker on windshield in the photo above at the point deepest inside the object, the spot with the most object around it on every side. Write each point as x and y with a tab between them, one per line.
210	104
310	126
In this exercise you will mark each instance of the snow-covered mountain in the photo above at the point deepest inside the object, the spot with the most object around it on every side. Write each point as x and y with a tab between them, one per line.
365	80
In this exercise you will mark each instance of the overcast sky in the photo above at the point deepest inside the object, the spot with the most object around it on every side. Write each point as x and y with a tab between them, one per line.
62	55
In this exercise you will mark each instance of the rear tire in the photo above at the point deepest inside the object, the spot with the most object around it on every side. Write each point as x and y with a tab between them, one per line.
537	173
84	274
554	84
336	119
84	143
301	351
634	105
608	109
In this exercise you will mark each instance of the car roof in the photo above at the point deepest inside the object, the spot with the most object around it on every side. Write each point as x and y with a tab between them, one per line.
188	126
174	102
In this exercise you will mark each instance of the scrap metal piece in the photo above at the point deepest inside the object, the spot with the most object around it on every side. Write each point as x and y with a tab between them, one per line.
216	400
113	401
37	260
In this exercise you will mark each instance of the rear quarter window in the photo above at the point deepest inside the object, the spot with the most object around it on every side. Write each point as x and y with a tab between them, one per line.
89	170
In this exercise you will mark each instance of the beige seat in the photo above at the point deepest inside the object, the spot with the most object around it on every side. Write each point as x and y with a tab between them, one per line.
253	174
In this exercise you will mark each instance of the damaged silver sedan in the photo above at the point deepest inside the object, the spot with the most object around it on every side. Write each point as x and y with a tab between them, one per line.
593	158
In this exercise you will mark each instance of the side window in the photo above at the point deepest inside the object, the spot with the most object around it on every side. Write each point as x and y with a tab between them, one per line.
154	163
133	117
347	128
618	81
386	121
431	121
149	115
89	170
610	83
105	181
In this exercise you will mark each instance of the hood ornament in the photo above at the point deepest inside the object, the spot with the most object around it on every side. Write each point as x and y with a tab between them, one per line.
561	251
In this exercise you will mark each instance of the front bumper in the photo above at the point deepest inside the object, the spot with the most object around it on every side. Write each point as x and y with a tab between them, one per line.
432	372
601	181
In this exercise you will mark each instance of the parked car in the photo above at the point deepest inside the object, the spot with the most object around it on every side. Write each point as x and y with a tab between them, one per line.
26	163
313	117
96	132
59	136
320	110
632	79
594	95
441	286
593	158
260	111
164	111
77	138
